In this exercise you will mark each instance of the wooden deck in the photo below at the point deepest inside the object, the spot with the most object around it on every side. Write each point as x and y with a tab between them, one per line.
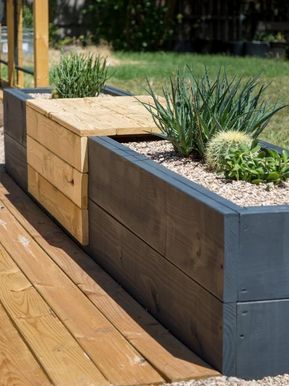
64	321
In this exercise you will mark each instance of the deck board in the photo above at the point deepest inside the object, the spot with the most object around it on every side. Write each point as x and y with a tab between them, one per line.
17	364
89	294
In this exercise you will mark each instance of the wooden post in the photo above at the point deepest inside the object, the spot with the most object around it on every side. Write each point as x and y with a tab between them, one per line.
40	10
11	42
20	74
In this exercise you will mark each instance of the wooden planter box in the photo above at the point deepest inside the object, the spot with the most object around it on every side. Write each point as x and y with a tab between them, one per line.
46	146
214	273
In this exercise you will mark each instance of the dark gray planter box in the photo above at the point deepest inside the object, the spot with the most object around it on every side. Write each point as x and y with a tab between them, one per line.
14	109
215	274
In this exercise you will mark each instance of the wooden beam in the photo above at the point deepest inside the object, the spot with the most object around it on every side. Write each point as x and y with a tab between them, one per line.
11	42
20	74
40	11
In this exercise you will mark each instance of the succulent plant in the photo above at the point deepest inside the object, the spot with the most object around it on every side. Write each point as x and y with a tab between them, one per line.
223	142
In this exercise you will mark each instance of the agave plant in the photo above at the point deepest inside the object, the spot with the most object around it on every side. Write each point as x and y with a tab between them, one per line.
197	109
78	76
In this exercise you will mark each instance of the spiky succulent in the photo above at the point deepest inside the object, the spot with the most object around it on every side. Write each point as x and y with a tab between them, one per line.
79	76
223	142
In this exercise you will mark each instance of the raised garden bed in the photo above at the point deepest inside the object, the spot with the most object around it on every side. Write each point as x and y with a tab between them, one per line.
49	153
214	273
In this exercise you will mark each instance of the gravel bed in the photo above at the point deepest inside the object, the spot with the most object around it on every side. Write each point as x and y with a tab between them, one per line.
280	380
240	192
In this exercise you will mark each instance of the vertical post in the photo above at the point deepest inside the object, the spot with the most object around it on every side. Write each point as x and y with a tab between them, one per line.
40	11
20	74
11	42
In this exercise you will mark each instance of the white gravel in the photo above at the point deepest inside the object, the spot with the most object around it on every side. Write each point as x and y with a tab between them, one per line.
280	380
240	192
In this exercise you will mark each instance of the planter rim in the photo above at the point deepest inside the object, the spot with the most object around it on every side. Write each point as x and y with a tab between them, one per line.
216	200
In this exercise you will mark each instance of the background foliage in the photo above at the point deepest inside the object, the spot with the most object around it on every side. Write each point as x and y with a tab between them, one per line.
134	25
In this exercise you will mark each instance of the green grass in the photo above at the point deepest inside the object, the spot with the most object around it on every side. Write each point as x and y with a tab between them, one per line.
132	70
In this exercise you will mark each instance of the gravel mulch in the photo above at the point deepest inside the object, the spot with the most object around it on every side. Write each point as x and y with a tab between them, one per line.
240	192
280	380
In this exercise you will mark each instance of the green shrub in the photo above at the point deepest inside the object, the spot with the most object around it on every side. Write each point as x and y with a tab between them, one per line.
256	165
138	25
221	144
197	109
79	76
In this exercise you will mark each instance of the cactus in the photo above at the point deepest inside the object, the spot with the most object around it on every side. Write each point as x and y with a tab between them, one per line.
219	145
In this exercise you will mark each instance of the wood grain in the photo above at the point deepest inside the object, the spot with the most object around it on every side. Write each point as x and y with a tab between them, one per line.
17	364
62	142
190	312
154	342
115	357
69	181
41	32
14	116
69	215
16	161
98	116
10	12
59	354
182	224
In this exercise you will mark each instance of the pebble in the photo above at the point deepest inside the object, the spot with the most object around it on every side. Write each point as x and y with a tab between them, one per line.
239	192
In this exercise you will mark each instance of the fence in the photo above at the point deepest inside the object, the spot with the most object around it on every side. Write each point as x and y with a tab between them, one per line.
15	41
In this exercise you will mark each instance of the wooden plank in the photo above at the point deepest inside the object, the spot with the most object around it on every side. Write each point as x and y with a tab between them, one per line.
11	42
15	161
20	74
153	341
263	266
115	357
59	354
69	181
70	216
17	363
183	225
40	15
68	146
263	338
191	313
98	116
14	116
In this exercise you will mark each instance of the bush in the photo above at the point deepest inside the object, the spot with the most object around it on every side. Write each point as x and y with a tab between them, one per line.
197	109
79	76
139	25
256	165
223	142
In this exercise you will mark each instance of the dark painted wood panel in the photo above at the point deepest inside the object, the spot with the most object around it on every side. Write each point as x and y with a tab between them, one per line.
16	161
184	225
194	315
263	338
15	116
263	267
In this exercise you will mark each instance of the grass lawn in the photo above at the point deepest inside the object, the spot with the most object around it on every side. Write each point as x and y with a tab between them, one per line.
130	71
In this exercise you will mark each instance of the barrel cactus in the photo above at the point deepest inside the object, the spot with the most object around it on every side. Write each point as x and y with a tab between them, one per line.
221	143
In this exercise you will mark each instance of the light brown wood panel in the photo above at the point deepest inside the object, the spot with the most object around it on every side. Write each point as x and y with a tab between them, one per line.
17	364
115	357
153	341
19	12
70	216
59	354
71	182
62	142
11	41
98	116
40	14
